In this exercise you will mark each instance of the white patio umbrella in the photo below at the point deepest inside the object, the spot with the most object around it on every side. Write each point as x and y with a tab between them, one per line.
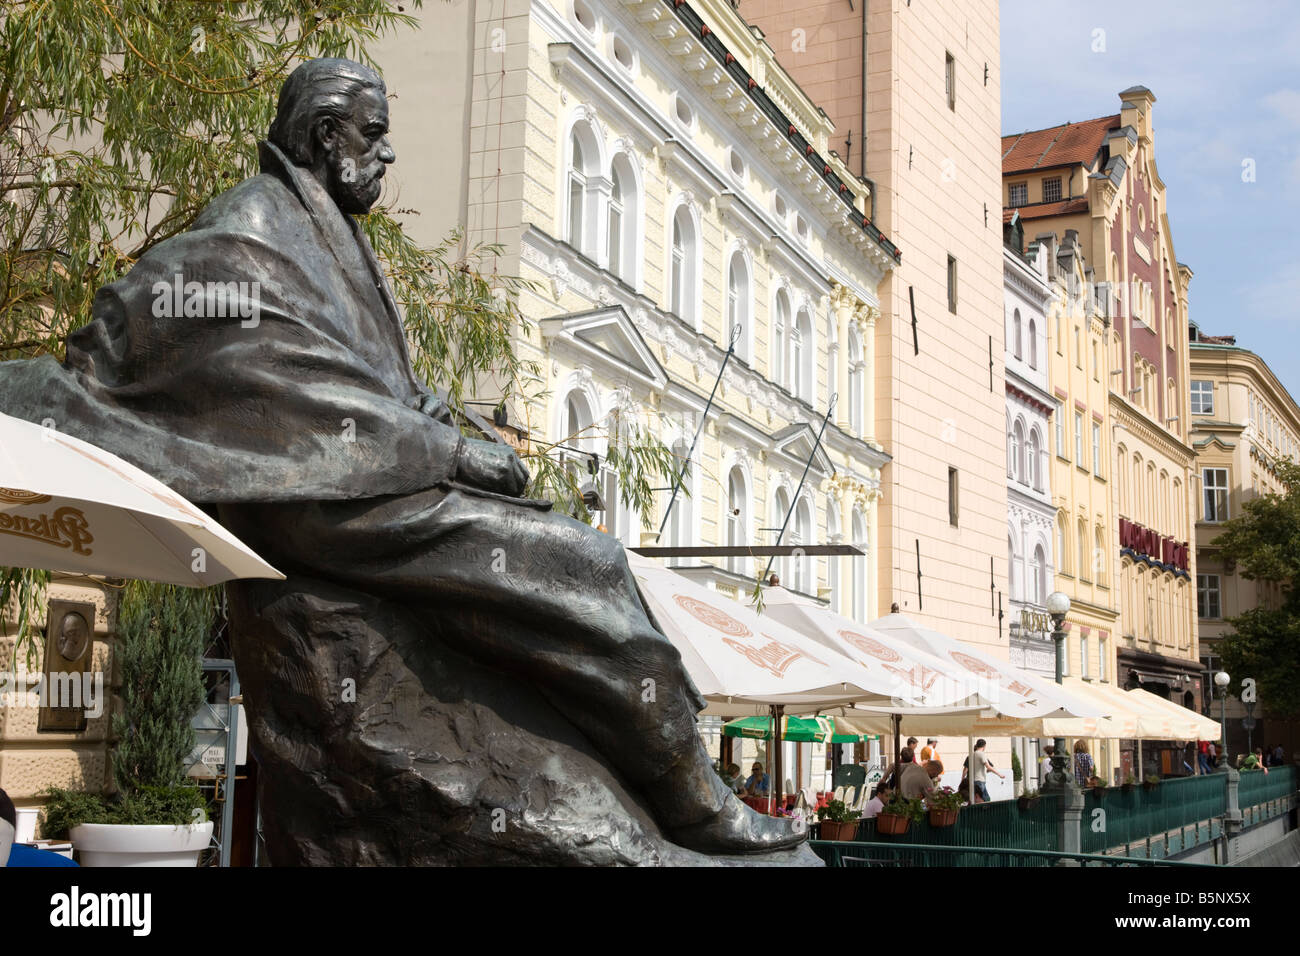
743	662
1019	694
66	505
920	679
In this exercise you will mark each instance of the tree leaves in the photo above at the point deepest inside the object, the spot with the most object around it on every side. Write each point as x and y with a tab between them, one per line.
1263	544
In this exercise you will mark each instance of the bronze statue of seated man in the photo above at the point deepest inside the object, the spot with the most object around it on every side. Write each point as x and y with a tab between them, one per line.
257	364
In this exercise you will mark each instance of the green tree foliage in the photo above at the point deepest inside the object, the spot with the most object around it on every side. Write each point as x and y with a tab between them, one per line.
1263	543
162	633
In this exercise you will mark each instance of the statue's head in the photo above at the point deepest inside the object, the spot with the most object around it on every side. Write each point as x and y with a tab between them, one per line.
332	120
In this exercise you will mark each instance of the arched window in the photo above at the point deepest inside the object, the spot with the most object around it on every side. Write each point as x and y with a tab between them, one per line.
1085	566
780	508
1033	472
737	515
1017	346
739	302
1033	344
1099	554
856	375
780	331
1018	451
1038	576
1062	545
680	523
624	220
684	268
860	578
803	534
1013	570
801	357
577	191
1121	481
833	562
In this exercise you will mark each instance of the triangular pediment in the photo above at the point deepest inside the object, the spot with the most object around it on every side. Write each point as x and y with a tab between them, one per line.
796	442
607	337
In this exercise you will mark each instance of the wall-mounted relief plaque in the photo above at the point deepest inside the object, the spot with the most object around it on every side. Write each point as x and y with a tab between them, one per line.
68	691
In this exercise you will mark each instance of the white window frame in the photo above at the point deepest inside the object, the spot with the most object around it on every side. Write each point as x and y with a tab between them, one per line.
1202	398
1219	503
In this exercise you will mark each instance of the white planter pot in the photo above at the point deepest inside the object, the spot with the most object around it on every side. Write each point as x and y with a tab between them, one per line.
115	844
27	817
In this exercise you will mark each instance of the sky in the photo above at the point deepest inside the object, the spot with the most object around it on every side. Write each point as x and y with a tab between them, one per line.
1227	84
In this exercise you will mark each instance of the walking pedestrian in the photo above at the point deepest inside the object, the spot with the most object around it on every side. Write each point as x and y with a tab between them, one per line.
1084	769
979	769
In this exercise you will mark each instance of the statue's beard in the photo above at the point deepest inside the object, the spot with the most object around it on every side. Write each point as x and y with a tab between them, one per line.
358	194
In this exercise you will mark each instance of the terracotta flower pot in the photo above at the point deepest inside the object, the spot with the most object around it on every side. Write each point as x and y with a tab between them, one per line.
892	824
943	818
847	830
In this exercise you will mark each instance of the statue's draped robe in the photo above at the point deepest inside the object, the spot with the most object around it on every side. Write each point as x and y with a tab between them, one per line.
304	431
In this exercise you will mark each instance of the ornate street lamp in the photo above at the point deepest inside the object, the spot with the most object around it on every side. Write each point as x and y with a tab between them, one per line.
1059	777
1221	681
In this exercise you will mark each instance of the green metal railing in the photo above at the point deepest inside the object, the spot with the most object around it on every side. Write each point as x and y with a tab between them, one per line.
1180	813
926	855
1262	796
1133	825
998	824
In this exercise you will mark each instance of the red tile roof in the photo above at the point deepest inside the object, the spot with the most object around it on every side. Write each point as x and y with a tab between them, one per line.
1044	209
1065	145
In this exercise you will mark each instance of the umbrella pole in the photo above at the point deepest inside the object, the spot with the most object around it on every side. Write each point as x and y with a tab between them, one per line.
898	732
775	786
1139	773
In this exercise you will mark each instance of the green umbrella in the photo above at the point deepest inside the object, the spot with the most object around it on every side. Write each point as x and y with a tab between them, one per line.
798	729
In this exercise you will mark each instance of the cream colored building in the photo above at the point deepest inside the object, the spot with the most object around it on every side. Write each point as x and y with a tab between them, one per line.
660	180
1244	421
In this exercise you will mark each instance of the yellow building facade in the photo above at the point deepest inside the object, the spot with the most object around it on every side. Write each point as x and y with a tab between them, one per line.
1244	421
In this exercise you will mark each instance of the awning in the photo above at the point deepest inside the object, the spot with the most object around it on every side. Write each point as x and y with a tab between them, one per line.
742	662
1016	693
920	679
1184	724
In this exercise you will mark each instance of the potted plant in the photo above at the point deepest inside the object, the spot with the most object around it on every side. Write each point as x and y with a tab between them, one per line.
1129	782
838	822
1029	800
899	813
1017	773
1151	782
944	805
156	817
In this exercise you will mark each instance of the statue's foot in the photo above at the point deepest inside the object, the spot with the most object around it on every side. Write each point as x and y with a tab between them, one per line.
737	829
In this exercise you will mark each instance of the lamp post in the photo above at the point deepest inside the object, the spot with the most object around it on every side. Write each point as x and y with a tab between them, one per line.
1059	777
1221	681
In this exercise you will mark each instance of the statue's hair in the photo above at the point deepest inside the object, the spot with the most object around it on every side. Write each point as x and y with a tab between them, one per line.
321	87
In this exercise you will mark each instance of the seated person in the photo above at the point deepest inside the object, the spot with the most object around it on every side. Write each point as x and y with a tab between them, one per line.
877	802
757	784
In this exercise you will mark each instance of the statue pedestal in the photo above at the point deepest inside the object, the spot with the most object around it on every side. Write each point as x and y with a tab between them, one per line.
378	745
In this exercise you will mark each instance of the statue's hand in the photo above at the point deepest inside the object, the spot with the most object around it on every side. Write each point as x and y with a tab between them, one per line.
491	467
434	407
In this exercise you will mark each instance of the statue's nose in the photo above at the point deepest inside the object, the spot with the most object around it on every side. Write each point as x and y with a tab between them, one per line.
386	154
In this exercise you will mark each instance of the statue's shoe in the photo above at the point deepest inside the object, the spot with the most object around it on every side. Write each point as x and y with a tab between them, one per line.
737	829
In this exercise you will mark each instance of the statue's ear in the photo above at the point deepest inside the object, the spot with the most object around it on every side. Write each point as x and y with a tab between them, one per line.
325	133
